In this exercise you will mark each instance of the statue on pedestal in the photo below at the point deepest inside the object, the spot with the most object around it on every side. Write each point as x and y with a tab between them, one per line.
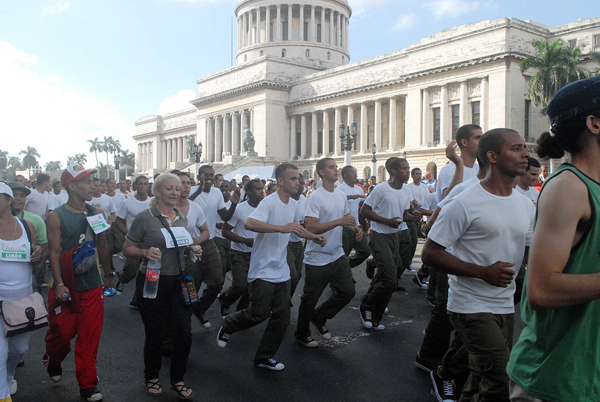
248	140
190	144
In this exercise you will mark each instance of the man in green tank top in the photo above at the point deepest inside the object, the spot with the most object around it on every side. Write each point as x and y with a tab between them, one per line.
75	300
557	357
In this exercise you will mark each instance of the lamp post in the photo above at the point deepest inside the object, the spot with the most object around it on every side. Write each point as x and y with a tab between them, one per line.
117	160
195	155
374	160
348	136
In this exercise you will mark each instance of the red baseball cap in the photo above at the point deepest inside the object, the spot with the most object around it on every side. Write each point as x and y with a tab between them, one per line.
74	172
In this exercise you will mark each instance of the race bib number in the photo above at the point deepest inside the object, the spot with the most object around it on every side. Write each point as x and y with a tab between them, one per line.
181	235
98	223
15	251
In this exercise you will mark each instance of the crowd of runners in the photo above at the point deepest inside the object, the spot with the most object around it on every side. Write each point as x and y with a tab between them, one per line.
481	258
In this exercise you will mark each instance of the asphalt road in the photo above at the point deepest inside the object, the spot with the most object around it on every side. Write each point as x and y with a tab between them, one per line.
355	365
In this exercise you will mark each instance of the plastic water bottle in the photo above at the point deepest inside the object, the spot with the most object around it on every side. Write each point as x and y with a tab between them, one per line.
152	276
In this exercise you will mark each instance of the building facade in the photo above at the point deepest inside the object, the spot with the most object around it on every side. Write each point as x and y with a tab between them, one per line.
293	86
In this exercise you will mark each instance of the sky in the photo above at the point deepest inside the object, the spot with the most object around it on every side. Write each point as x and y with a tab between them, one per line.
73	70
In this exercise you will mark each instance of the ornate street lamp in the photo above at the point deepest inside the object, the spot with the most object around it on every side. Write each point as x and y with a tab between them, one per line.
348	136
374	160
117	160
197	152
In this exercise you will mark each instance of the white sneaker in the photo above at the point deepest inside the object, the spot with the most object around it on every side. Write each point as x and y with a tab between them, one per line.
12	386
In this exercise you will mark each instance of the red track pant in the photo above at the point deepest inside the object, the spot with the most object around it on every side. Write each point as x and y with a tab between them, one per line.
86	325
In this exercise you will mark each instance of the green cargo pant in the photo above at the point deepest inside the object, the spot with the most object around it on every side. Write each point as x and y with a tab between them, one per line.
208	269
404	250
385	253
295	258
240	263
224	247
362	247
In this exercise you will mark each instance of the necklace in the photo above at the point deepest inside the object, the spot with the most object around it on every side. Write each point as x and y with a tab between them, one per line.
74	207
14	233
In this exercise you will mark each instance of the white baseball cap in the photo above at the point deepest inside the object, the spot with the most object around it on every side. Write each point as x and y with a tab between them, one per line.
4	189
74	172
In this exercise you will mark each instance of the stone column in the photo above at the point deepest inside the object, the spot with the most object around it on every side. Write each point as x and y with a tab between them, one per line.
293	150
483	106
301	23
444	137
245	30
326	127
169	154
464	104
243	124
290	32
336	127
364	123
303	144
210	140
350	118
218	139
331	28
142	158
251	28
377	131
393	135
346	32
313	25
268	25
251	111
314	134
338	33
426	133
278	37
163	155
235	134
227	134
322	24
239	33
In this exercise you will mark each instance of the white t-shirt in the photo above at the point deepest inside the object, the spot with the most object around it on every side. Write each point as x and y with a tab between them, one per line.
118	199
420	192
388	202
459	188
355	203
532	193
431	202
294	238
127	194
130	208
58	201
104	202
447	174
269	254
242	211
219	232
211	203
37	203
483	228
195	218
326	207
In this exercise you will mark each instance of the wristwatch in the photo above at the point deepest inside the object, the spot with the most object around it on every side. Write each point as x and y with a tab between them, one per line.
111	275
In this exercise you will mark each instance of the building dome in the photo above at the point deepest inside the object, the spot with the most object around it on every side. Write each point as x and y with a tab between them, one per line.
312	31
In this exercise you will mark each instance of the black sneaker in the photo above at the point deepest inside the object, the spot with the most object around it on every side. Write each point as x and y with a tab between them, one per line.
133	303
91	394
443	390
270	364
222	337
371	268
423	364
224	311
366	317
321	330
309	342
55	373
400	288
204	323
21	363
120	286
418	282
410	269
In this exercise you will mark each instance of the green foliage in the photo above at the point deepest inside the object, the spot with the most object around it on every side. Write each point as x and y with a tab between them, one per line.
53	166
30	158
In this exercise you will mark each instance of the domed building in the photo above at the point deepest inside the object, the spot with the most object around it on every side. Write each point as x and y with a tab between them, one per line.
293	86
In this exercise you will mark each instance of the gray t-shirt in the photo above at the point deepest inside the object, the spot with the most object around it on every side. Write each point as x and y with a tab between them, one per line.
145	232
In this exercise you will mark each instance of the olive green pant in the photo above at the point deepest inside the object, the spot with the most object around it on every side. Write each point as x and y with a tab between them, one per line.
349	243
385	253
208	269
404	251
488	340
295	260
224	247
240	264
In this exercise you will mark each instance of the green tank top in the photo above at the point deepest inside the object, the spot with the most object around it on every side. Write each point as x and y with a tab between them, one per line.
74	229
557	356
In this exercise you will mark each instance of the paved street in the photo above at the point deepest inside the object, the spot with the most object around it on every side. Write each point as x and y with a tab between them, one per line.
356	365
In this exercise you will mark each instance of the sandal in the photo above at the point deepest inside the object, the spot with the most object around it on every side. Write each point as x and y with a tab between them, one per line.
182	390
153	385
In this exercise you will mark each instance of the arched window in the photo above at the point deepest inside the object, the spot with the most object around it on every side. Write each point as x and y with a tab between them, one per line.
307	53
283	52
262	52
328	55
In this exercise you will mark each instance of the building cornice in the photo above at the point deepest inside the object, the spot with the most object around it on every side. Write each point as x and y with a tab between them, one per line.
176	129
407	77
263	84
142	136
342	3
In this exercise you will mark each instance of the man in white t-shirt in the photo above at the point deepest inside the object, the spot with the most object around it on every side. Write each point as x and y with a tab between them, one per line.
242	241
467	138
209	268
387	207
355	195
526	182
327	212
295	249
488	227
123	189
419	192
269	274
103	201
111	191
223	244
127	212
39	199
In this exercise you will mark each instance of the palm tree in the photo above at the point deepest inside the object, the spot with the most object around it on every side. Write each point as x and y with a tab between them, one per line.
557	65
595	56
80	159
95	147
14	163
53	166
100	167
108	147
29	160
3	162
